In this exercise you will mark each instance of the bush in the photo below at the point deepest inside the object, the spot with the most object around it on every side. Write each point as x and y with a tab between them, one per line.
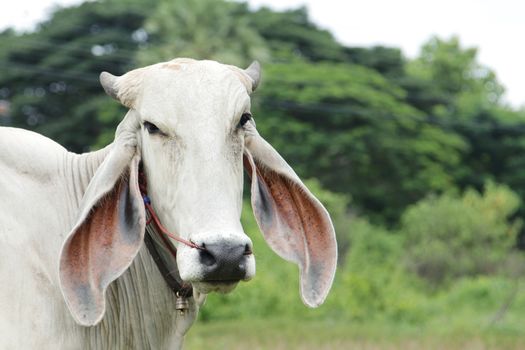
449	236
375	284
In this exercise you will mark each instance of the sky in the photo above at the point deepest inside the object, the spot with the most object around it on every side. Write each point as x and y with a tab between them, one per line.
495	27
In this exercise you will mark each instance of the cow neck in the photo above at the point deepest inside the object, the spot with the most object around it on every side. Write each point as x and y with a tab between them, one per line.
162	251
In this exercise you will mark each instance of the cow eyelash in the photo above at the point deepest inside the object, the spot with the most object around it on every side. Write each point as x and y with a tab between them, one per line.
152	128
245	117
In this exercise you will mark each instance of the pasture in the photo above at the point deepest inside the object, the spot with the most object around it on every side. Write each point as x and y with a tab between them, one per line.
279	334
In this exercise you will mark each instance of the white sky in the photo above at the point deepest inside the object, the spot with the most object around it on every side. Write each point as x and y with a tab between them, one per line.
496	27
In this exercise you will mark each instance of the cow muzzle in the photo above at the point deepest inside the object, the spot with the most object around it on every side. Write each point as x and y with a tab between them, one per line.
219	265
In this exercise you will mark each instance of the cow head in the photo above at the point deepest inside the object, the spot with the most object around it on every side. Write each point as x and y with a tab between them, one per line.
189	123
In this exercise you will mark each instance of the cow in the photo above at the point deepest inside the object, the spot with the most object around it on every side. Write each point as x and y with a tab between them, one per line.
118	248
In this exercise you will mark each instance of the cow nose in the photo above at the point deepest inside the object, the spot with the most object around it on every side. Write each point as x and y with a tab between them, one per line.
224	261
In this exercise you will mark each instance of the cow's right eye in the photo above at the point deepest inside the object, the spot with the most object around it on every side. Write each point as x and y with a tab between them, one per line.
152	128
244	119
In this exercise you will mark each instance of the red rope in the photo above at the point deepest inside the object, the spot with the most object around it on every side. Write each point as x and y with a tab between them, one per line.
163	230
155	218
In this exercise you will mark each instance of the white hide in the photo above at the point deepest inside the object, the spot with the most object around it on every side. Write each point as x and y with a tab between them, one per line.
42	185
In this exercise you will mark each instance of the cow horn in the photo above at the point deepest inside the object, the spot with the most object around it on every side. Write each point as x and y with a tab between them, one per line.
109	83
254	72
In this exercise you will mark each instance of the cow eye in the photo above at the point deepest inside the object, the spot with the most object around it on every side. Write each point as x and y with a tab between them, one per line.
245	118
152	128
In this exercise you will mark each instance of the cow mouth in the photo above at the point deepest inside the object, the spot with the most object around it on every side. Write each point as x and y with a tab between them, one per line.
219	286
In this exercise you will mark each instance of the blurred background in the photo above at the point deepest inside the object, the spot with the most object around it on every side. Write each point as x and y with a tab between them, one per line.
418	157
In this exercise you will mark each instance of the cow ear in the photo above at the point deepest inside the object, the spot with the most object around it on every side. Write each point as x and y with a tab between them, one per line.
294	223
107	236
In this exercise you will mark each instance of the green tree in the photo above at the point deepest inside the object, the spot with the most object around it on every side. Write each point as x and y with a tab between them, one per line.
203	29
50	76
464	84
350	127
385	60
291	35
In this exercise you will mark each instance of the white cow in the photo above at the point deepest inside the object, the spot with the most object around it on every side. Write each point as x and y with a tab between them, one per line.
74	273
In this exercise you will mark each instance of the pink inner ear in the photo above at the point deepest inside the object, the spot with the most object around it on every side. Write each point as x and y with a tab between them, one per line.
100	250
275	217
296	226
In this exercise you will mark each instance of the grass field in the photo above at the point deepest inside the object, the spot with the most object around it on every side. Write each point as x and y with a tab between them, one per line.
281	335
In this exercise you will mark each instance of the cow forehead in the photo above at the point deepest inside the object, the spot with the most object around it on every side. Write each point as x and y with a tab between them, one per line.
186	90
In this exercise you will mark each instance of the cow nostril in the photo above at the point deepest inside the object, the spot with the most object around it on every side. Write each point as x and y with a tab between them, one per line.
247	250
207	258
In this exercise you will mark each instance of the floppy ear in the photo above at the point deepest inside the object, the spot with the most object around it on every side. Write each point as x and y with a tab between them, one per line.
107	236
294	223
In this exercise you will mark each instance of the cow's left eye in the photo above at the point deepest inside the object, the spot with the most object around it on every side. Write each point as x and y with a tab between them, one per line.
245	118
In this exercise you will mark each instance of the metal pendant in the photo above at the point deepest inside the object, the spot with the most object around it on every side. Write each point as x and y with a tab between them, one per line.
182	304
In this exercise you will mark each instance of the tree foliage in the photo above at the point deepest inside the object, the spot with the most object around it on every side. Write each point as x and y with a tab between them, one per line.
50	76
291	35
352	128
202	29
464	84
